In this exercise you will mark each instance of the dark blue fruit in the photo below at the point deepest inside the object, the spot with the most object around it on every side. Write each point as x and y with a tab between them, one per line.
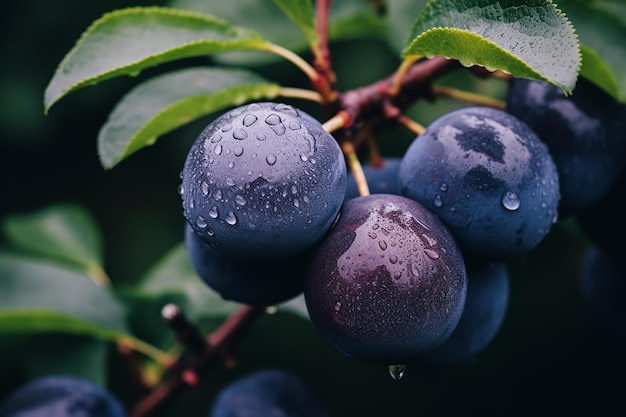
243	281
388	282
268	393
61	396
263	181
483	315
489	178
584	133
382	178
603	284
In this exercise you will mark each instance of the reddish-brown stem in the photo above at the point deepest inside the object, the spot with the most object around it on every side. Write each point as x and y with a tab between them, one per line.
216	342
326	84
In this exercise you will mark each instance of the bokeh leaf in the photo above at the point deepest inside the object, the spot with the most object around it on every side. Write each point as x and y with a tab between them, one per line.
169	101
529	39
601	33
301	13
127	41
66	232
37	296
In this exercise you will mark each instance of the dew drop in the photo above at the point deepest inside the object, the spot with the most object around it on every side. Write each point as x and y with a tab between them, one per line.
303	157
372	235
272	119
249	120
443	187
240	200
382	244
239	134
181	189
238	151
214	139
213	213
205	188
261	137
296	202
432	254
230	218
438	201
393	259
510	201
218	150
397	371
201	222
338	306
230	182
210	231
226	128
397	274
293	125
270	159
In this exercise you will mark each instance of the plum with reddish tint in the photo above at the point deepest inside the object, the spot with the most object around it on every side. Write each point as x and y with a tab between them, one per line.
388	282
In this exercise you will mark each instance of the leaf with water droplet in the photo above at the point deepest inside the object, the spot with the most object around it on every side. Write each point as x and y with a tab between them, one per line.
534	41
169	101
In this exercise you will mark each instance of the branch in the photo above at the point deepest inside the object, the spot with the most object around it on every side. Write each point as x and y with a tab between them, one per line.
216	342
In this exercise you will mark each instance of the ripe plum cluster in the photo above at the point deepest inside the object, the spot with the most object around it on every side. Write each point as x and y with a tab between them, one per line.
416	270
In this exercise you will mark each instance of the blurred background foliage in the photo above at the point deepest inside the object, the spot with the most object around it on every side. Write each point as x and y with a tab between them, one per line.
553	356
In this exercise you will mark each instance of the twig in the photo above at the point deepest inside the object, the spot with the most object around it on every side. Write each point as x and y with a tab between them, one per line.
222	337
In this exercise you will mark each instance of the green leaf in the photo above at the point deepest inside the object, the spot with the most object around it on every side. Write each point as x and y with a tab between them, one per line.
75	355
530	39
175	274
348	19
601	33
169	101
127	41
37	297
400	17
301	13
65	232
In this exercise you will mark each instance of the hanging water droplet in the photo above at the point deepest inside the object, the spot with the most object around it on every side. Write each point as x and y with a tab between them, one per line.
210	231
213	213
397	371
230	218
510	201
181	189
270	159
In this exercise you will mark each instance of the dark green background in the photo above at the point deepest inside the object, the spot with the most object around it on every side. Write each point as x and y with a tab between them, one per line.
552	357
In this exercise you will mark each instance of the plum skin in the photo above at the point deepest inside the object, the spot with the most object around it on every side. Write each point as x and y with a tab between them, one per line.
489	178
388	282
584	133
268	392
242	281
61	396
263	181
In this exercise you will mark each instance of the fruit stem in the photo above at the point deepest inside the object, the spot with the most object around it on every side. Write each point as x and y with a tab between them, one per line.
411	124
468	97
304	94
356	168
295	59
149	350
401	72
338	121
